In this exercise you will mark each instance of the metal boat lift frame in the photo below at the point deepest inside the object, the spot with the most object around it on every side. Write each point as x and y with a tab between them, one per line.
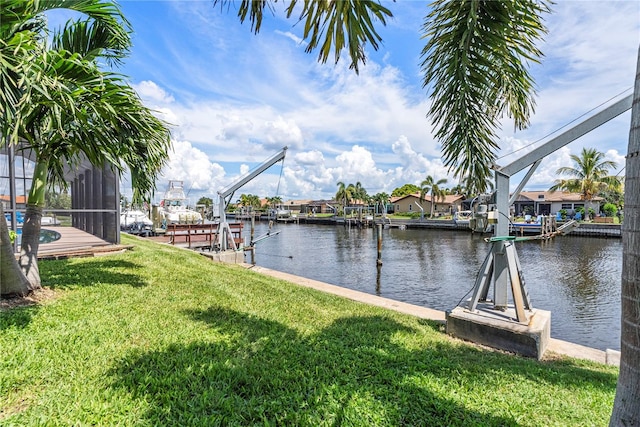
501	265
224	197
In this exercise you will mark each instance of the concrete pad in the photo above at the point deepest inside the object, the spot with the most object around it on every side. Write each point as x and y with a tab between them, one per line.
576	350
228	257
613	357
499	329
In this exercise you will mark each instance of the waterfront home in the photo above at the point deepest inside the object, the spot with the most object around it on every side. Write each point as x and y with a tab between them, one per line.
549	203
412	203
322	206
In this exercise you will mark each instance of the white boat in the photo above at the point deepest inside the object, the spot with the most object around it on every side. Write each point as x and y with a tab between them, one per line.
283	213
131	217
135	222
173	208
462	217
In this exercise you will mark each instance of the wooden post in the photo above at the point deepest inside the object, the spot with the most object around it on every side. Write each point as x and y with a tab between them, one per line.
253	246
379	261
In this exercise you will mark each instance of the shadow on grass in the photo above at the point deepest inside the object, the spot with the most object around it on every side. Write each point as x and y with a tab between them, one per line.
17	317
67	274
350	373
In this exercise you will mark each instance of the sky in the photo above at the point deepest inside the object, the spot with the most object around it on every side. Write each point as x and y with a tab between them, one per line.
234	98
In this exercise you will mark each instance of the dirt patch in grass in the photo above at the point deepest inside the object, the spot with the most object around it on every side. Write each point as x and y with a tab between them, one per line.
36	297
21	405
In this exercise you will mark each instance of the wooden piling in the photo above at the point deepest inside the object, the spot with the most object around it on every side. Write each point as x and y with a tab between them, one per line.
379	261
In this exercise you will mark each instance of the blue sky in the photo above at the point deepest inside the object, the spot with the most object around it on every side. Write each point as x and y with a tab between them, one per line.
236	98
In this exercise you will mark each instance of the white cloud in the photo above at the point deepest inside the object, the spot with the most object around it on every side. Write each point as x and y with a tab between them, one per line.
192	166
150	91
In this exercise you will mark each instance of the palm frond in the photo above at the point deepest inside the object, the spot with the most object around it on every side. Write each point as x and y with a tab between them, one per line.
474	64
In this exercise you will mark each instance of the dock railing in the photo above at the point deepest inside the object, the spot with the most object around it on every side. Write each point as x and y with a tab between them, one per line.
204	236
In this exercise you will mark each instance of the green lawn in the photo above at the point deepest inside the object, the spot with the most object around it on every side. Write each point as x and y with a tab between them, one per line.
160	336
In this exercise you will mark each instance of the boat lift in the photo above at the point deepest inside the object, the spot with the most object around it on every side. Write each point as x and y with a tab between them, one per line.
501	266
224	197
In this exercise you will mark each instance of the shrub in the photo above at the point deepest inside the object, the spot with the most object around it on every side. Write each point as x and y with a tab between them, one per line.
609	209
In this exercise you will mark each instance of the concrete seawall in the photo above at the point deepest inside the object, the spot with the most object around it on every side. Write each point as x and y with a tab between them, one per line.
585	229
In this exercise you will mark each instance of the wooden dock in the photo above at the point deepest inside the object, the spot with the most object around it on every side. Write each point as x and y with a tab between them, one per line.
75	243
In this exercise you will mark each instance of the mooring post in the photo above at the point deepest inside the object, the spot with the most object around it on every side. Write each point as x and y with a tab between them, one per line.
379	261
253	246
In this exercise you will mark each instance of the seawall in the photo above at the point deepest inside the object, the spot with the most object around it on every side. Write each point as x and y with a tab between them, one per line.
585	229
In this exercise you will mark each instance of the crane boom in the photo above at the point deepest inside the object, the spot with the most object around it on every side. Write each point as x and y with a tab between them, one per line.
227	192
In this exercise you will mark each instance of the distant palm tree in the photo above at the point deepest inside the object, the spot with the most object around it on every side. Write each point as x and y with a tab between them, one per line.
381	199
274	201
590	175
459	190
430	186
250	201
360	194
345	194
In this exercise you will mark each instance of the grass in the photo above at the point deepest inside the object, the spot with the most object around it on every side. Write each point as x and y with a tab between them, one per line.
161	336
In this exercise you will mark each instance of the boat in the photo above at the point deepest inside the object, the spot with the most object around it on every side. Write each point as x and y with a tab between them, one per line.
283	213
462	217
173	207
135	221
525	228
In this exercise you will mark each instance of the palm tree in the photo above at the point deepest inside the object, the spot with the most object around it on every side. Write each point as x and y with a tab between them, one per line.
360	194
430	186
459	190
345	194
255	201
381	199
589	176
245	200
274	201
250	201
328	25
65	109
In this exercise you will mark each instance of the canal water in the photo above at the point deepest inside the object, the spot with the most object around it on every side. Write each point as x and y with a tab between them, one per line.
576	278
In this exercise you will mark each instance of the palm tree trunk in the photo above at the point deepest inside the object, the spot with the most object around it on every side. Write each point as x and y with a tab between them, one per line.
12	280
432	207
30	245
626	410
32	225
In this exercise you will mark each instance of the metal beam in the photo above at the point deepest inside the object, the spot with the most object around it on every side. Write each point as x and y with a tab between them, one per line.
257	171
524	181
565	138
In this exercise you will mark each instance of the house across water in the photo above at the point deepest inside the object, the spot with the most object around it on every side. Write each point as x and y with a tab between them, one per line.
549	203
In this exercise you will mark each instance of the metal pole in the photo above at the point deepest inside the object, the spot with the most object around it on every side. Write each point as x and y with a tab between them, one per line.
12	191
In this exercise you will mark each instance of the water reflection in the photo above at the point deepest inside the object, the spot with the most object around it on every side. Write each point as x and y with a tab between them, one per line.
576	278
